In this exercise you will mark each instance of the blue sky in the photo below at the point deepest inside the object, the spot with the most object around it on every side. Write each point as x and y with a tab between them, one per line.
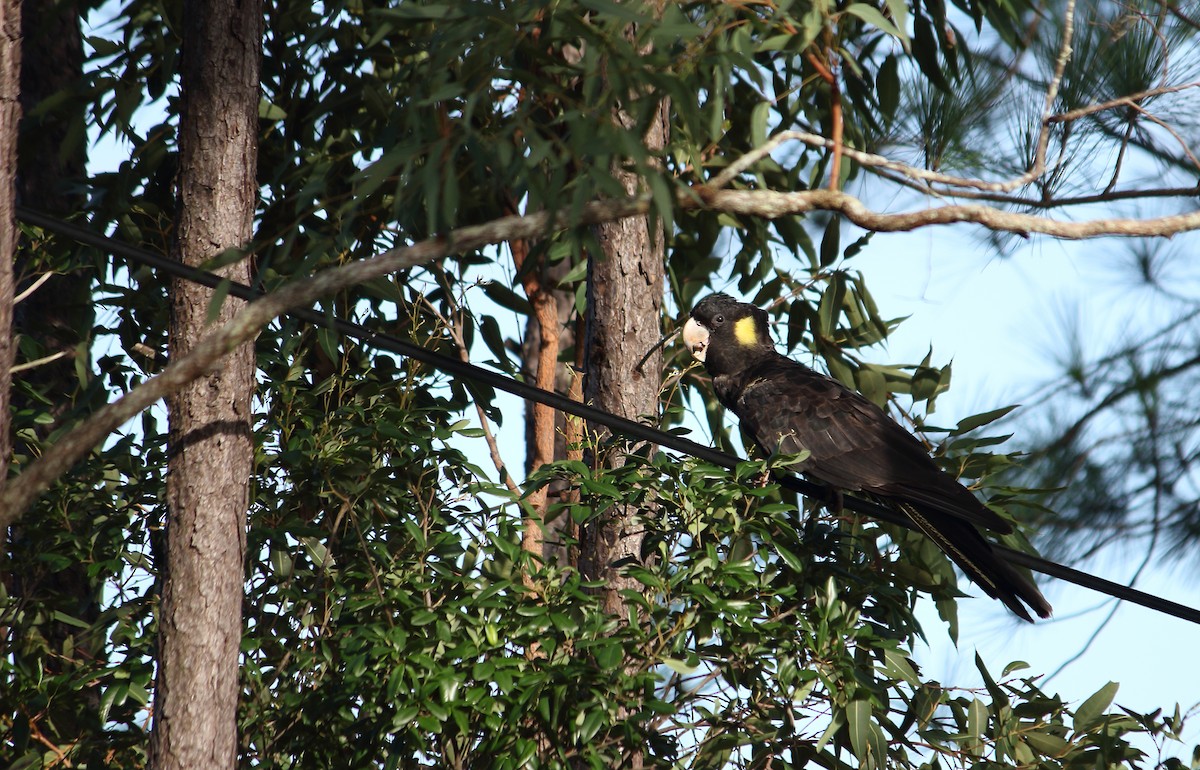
989	316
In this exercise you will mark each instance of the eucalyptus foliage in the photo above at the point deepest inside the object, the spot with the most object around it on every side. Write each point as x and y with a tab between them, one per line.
392	618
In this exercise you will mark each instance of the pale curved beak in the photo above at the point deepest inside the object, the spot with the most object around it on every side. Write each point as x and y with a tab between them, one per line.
695	338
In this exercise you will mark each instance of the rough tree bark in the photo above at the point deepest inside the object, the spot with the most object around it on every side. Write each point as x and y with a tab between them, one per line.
10	118
624	299
625	288
210	450
624	312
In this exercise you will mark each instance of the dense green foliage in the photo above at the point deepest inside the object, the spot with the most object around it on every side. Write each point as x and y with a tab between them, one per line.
392	618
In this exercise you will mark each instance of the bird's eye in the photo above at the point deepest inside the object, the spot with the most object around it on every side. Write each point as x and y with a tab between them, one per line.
718	319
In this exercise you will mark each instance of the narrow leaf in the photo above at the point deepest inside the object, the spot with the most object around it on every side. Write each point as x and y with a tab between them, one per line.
1092	709
874	17
218	299
975	421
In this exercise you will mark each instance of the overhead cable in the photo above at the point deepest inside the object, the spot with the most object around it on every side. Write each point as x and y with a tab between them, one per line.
620	425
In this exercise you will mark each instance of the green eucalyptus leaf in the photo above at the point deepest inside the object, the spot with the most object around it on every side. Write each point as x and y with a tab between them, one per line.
1092	710
872	16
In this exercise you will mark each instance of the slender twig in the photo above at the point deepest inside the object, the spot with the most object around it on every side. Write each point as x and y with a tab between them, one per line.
41	361
1166	127
348	510
770	204
862	158
1036	169
455	331
36	733
1116	605
32	287
1173	8
829	75
1116	174
1046	203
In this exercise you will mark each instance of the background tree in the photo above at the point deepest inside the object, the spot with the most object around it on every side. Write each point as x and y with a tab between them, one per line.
53	323
392	615
10	117
209	446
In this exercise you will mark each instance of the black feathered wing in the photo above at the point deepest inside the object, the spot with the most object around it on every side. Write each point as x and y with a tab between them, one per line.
855	446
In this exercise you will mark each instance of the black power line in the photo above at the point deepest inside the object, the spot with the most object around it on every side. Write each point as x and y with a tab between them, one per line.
621	425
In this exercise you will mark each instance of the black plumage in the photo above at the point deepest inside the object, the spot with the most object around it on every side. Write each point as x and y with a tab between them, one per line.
853	445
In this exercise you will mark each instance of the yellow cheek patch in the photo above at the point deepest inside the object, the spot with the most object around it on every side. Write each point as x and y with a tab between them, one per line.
745	331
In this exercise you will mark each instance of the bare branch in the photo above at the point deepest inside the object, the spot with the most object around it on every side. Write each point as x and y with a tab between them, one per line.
1048	203
245	326
32	288
41	361
995	190
863	159
455	329
771	204
1060	66
1038	168
1187	150
867	159
1132	100
1122	101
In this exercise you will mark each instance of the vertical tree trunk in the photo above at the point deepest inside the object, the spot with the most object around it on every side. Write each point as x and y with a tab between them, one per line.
624	311
210	449
624	292
58	315
10	118
548	333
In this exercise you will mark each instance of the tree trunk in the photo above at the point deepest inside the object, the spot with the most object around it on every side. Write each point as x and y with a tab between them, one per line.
624	293
58	316
548	333
624	312
209	448
10	118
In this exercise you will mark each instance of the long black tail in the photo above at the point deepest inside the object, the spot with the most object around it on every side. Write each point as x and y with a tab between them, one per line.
967	548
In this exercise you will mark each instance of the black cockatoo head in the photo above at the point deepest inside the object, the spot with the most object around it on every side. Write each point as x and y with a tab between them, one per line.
727	335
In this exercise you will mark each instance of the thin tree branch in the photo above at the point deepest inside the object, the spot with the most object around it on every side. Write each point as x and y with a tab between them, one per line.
829	75
1116	605
1047	203
245	326
1187	150
1060	67
32	288
858	156
771	204
1112	183
1036	170
1123	101
41	361
464	355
